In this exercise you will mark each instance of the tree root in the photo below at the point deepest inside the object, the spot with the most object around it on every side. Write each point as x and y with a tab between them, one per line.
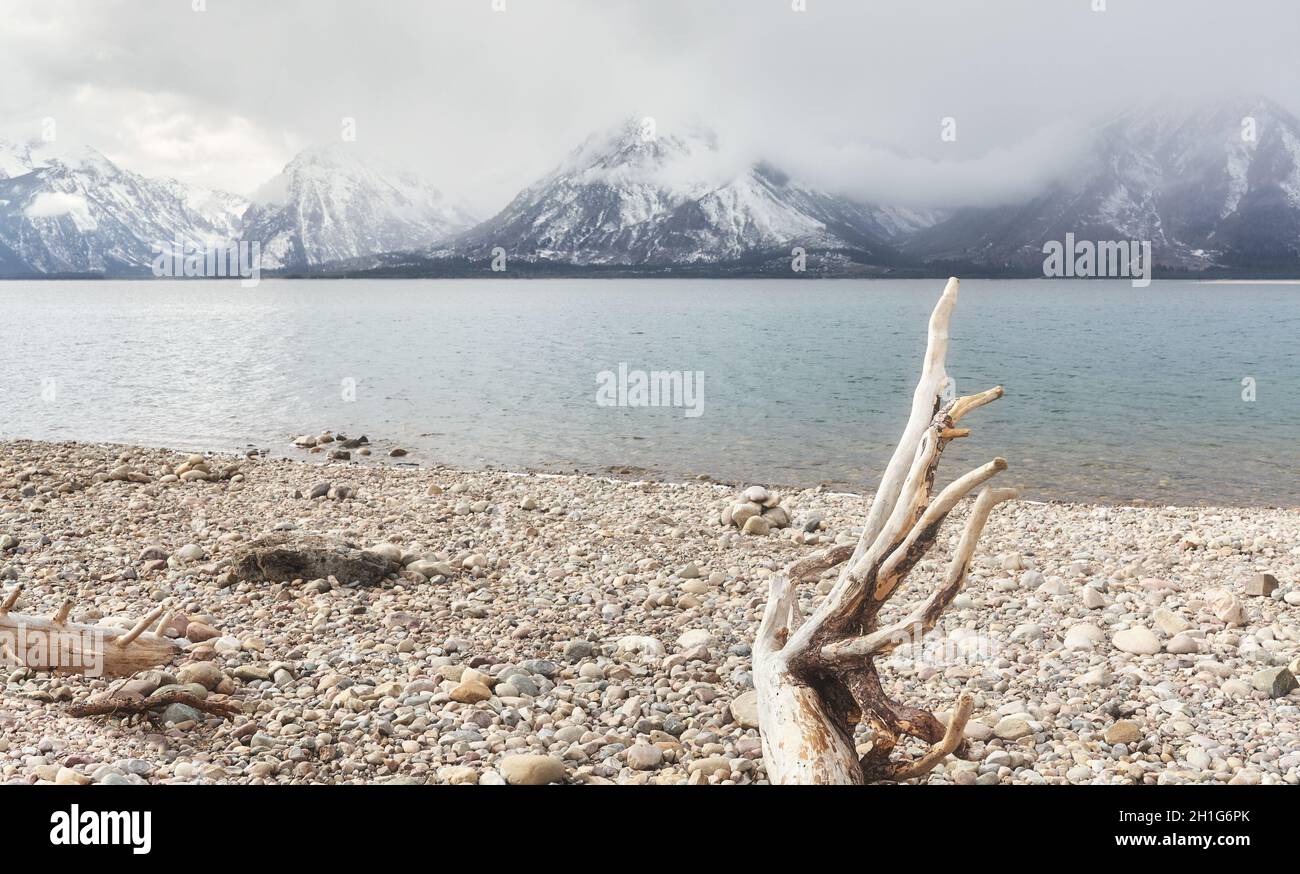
135	706
816	679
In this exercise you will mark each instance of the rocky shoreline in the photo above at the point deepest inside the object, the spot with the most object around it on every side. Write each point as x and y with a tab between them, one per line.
543	628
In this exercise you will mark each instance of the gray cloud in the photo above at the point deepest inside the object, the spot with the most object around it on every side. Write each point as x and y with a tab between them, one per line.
848	95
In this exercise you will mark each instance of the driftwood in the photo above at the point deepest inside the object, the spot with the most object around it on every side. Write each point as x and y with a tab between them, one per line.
817	680
136	705
57	645
284	557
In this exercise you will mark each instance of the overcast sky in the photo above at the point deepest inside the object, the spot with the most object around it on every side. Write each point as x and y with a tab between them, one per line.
849	94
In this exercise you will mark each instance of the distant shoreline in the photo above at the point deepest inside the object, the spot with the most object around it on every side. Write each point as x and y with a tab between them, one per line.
1200	279
1249	281
628	474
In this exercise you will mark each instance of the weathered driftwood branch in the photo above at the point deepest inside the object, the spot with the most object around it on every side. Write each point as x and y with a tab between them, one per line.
134	706
57	645
817	680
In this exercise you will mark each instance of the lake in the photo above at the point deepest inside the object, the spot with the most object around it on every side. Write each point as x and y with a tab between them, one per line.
1113	393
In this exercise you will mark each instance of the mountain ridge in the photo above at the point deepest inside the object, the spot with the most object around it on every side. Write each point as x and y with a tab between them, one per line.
82	214
627	199
1213	198
1185	178
330	205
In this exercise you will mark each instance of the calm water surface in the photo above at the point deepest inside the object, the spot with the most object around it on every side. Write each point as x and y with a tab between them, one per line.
1113	393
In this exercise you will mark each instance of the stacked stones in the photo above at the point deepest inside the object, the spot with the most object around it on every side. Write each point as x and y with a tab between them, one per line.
756	511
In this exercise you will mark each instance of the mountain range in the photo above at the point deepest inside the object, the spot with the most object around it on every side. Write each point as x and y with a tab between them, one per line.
1214	187
83	214
329	205
623	199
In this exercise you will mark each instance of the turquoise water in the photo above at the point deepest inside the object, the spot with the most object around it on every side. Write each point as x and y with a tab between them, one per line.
1113	392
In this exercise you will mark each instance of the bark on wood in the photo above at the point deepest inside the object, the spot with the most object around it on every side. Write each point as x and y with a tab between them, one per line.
57	645
817	680
134	706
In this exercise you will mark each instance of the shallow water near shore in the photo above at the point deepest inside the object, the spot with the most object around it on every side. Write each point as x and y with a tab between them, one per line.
1114	393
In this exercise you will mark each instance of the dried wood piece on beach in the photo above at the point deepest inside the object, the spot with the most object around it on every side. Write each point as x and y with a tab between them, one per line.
135	705
54	644
817	680
286	557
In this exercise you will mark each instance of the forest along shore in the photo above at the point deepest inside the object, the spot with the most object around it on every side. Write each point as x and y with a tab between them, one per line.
571	628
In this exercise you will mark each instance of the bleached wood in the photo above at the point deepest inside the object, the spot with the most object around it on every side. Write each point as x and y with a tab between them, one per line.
802	743
924	402
11	599
139	629
923	618
951	738
81	649
901	559
816	679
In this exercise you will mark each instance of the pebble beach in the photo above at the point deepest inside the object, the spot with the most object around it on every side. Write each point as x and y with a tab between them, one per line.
580	629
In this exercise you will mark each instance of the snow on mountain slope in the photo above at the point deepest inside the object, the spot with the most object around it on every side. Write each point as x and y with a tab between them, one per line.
1179	174
81	213
328	204
625	199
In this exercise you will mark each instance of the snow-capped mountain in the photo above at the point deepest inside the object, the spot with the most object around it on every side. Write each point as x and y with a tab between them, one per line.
328	204
81	213
1209	185
1212	186
622	198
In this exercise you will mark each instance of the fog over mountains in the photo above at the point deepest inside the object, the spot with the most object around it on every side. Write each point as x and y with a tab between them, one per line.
626	198
1182	176
1215	187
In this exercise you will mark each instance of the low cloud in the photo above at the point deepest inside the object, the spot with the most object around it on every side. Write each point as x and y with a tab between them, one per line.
846	95
1004	174
56	204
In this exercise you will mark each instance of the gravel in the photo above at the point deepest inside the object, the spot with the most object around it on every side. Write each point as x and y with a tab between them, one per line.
543	628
